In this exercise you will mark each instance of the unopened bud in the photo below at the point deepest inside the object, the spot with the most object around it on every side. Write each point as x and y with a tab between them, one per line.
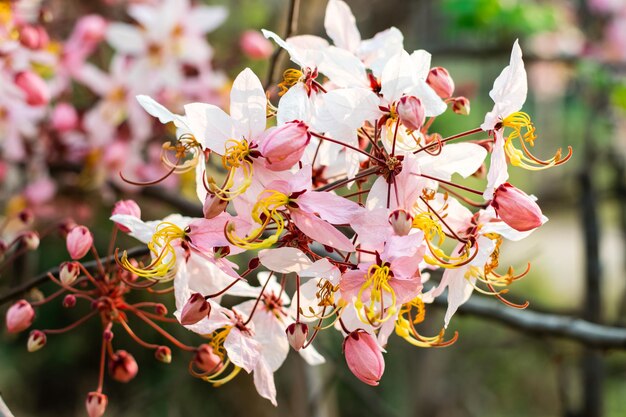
401	221
19	316
69	301
516	208
26	216
440	80
69	272
79	241
255	45
163	354
364	357
128	207
411	112
96	404
196	309
34	37
213	206
206	359
64	117
461	105
36	340
31	240
108	335
122	366
297	334
34	87
283	146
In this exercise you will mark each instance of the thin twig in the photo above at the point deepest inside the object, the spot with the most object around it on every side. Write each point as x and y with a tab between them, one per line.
292	27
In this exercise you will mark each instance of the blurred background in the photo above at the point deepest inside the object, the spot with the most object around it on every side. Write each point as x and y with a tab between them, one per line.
575	54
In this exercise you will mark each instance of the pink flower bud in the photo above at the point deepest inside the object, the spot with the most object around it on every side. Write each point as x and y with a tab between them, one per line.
206	360
20	316
108	335
284	145
90	29
516	208
79	241
440	81
33	37
129	207
401	221
122	366
255	45
30	240
64	117
461	105
196	309
296	334
411	112
69	272
35	88
69	301
364	357
96	404
36	340
163	354
213	206
26	216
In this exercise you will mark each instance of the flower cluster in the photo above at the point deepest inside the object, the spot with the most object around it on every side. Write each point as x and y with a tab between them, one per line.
339	195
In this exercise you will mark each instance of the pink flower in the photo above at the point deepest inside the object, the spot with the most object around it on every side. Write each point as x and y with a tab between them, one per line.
296	335
35	88
79	241
129	207
123	366
284	145
364	357
255	45
439	79
196	309
64	117
20	316
96	404
516	208
411	112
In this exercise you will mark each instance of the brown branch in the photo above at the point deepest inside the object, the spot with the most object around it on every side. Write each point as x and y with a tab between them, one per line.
42	278
292	27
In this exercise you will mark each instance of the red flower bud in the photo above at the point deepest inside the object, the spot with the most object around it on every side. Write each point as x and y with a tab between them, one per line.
461	105
283	146
30	240
401	221
364	357
79	241
440	80
163	354
206	360
69	272
196	309
296	334
255	45
34	87
122	366
129	207
516	208
36	340
96	404
411	112
19	316
213	206
69	301
34	37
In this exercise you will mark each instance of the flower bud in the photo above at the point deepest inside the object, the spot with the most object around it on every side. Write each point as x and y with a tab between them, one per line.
129	207
30	240
108	335
90	29
206	360
69	301
461	105
254	45
296	334
196	309
26	216
122	366
213	206
34	87
64	117
401	221
440	80
364	357
516	208
163	354
411	112
69	272
283	146
96	404
19	316
36	340
79	241
33	37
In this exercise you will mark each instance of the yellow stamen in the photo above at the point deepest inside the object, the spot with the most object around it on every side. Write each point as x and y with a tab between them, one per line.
236	156
405	326
428	223
264	211
377	284
291	77
185	147
216	378
524	131
163	265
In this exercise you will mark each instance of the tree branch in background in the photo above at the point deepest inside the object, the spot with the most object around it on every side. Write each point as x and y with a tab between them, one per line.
292	27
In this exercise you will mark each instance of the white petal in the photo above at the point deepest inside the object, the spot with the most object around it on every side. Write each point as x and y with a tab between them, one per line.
205	19
295	105
243	351
284	260
248	105
210	125
398	76
457	158
125	38
264	382
340	25
511	87
343	68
